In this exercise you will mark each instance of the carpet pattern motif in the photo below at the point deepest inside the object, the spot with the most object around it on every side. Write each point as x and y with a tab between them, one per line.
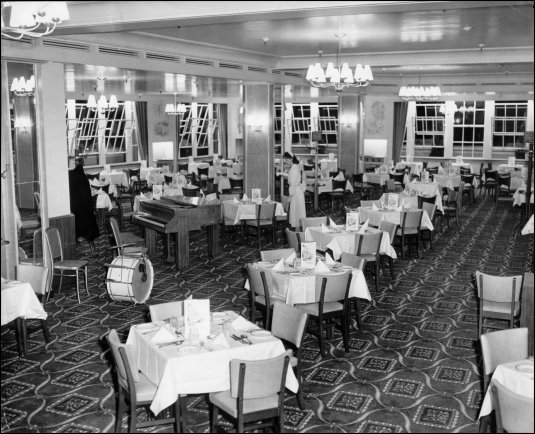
415	366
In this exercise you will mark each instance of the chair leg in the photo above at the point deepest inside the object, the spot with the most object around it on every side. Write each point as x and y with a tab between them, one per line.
86	287
46	332
60	280
214	415
356	308
120	411
321	338
78	286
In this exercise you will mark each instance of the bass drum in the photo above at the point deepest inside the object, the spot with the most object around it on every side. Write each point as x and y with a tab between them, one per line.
130	279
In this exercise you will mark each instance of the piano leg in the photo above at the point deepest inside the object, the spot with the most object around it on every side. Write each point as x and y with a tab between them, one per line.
212	233
167	248
182	245
151	241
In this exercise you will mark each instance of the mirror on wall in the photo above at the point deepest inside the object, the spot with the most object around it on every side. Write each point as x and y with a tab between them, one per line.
25	161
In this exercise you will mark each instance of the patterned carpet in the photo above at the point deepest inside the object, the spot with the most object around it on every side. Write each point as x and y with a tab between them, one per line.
414	368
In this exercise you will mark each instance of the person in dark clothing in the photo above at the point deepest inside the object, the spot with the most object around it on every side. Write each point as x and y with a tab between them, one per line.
85	219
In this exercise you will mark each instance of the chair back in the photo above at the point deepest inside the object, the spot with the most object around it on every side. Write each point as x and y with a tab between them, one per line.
134	172
289	323
223	197
261	283
498	289
454	197
338	185
426	199
189	192
430	209
183	167
353	261
235	183
490	174
467	179
504	179
368	244
370	203
168	179
265	212
390	228
310	222
514	412
163	311
36	275
503	346
332	287
116	235
53	240
358	179
411	219
464	170
276	254
433	170
203	170
397	177
259	378
125	362
294	239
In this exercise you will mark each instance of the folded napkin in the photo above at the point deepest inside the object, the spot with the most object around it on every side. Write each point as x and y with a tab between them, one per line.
163	336
340	176
240	323
211	196
236	200
329	260
221	340
244	198
332	223
290	259
363	228
321	268
324	228
279	266
374	207
268	198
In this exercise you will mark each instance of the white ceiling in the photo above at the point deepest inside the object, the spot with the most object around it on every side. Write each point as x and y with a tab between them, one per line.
437	42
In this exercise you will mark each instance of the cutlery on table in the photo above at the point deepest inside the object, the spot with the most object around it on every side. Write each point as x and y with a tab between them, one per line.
208	347
240	339
170	343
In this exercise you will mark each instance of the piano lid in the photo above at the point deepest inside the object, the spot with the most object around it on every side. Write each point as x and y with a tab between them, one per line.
189	201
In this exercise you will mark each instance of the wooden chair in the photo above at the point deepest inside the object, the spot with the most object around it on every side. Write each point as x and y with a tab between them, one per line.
332	302
183	168
163	311
260	294
236	185
203	176
409	230
430	209
360	264
136	389
64	267
227	224
499	297
338	192
503	191
467	187
310	222
391	229
289	324
293	239
452	207
514	412
190	192
256	396
398	179
136	183
276	254
265	219
490	181
125	206
367	246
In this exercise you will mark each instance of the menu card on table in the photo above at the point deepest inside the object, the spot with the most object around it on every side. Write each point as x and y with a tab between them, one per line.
352	221
156	191
256	195
197	318
308	255
392	201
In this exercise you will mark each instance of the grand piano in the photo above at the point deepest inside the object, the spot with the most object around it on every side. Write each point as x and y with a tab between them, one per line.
177	215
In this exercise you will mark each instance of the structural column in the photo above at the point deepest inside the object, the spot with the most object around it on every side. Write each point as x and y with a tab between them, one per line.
349	144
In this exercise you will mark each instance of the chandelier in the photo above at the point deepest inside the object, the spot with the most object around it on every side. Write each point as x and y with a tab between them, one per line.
102	105
175	109
339	77
21	87
420	93
34	19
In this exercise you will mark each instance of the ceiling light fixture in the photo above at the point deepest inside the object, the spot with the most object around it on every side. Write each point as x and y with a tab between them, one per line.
21	87
339	77
102	105
33	19
175	109
420	93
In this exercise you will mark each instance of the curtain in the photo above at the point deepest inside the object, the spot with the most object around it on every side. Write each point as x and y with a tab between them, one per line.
400	120
142	129
222	114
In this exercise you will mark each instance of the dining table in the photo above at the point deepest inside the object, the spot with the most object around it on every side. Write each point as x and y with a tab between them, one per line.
340	241
179	366
416	167
114	177
515	376
519	197
409	197
376	216
238	210
376	178
452	181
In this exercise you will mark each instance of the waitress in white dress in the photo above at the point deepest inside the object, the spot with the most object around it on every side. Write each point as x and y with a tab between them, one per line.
297	187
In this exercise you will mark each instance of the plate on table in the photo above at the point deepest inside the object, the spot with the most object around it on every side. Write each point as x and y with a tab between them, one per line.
146	326
189	348
260	333
525	367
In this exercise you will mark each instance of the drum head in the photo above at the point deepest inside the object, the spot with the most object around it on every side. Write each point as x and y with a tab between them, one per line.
142	280
130	279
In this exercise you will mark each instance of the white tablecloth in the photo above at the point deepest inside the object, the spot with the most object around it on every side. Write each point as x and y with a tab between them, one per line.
117	178
144	172
376	178
376	217
528	228
200	372
326	185
19	299
329	165
426	190
416	168
519	381
103	200
344	241
155	178
520	196
245	211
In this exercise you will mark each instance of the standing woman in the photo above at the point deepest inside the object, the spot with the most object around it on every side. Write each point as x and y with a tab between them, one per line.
297	187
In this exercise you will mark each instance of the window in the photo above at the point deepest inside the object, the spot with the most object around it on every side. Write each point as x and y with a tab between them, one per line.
509	124
301	119
198	130
277	129
328	123
103	137
468	129
429	124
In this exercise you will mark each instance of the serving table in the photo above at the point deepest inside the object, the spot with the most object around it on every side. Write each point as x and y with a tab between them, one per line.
198	370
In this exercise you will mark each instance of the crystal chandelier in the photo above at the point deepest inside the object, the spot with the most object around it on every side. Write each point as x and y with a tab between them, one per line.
339	77
34	19
175	109
102	105
21	87
420	93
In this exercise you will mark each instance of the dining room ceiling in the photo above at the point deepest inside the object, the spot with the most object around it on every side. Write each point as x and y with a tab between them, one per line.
441	42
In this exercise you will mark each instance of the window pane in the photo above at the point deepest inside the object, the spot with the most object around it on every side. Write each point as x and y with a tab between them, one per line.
457	134
479	133
480	117
497	140
468	134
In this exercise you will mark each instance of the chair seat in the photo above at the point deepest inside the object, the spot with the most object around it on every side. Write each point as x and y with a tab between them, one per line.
369	258
70	264
408	231
129	238
261	223
228	404
502	308
135	251
313	308
145	389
